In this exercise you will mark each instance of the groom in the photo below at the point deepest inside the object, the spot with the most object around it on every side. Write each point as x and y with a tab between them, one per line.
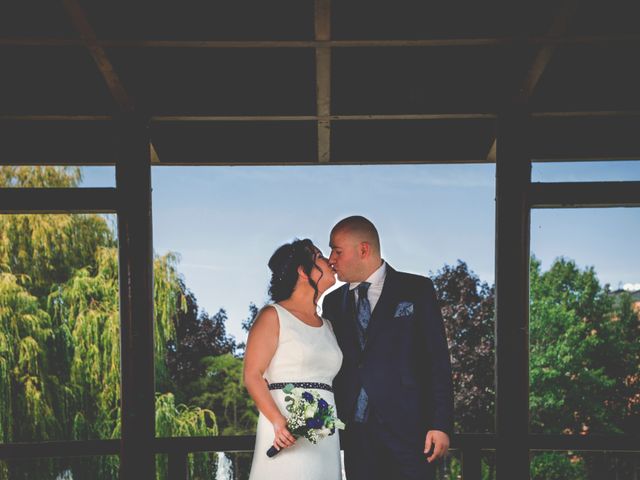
394	390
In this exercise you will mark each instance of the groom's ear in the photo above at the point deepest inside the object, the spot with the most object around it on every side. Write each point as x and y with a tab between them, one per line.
364	249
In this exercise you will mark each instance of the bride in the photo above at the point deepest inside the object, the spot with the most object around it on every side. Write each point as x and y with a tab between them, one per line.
290	343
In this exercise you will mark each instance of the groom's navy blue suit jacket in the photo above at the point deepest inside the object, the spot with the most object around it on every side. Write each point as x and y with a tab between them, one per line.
405	366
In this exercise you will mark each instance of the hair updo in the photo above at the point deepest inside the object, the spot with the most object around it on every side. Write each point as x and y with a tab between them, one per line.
284	265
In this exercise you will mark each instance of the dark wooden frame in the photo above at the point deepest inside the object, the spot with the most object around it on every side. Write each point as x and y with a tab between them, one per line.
131	200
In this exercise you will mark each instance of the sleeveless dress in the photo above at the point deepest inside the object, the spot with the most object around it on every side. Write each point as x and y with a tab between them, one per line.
304	354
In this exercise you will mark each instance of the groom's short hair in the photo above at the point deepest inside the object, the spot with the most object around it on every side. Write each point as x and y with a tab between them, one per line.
362	227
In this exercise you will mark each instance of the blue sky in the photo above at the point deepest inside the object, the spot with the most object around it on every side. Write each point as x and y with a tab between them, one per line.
225	222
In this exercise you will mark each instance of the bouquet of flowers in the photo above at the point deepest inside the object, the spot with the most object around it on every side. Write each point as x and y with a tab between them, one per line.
310	416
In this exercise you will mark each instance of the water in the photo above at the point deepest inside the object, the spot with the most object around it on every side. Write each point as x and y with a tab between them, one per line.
66	475
224	469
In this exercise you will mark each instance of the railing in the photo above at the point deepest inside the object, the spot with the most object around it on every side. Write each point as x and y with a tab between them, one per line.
178	448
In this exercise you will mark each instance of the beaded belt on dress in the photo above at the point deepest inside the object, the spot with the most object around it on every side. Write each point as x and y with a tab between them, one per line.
318	386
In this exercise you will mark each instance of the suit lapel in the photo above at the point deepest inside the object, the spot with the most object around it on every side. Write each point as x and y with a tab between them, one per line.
385	307
348	316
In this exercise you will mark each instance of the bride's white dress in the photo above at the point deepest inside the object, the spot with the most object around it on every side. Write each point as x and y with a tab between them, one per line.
304	354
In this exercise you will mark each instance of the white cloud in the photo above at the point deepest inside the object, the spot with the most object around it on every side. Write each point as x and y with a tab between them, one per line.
631	287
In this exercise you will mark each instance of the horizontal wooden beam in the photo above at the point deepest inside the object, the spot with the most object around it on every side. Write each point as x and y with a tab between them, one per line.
587	114
58	200
434	42
56	118
585	195
306	118
61	449
462	441
311	118
230	443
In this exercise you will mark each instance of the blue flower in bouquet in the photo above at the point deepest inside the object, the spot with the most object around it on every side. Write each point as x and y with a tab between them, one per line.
314	422
310	416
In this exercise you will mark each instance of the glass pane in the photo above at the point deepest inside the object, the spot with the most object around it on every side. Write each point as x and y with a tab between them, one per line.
609	171
30	176
576	465
584	314
75	468
216	227
59	328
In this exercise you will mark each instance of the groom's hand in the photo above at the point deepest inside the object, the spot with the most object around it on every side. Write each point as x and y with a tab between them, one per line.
440	442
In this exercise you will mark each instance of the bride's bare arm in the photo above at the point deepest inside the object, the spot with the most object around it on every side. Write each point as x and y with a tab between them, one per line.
261	346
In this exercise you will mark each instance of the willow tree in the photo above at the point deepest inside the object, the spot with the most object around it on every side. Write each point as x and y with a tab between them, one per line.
45	250
60	333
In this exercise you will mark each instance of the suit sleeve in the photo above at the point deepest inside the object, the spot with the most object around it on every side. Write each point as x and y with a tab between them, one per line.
440	378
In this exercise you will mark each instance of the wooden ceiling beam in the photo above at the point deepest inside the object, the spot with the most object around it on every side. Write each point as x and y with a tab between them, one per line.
322	16
584	195
558	28
312	118
89	40
629	38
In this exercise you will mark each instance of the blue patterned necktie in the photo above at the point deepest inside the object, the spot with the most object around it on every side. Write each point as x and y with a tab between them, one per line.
363	315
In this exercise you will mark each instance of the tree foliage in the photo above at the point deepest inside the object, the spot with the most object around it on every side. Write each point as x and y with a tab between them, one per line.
467	307
60	333
583	356
60	348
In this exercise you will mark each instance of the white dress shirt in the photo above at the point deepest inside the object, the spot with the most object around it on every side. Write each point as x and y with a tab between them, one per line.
376	279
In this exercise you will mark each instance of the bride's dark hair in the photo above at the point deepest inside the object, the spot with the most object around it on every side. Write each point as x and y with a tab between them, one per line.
284	265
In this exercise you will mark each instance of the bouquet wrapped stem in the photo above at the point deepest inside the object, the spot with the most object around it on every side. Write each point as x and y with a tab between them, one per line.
310	416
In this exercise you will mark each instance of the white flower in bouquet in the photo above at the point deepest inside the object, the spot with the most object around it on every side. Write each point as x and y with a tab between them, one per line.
310	416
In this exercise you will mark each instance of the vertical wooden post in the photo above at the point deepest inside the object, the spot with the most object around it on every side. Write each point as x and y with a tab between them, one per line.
178	465
471	464
133	181
513	177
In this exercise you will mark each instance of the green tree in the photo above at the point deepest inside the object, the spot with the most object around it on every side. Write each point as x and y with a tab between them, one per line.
584	363
221	389
60	334
467	307
575	363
